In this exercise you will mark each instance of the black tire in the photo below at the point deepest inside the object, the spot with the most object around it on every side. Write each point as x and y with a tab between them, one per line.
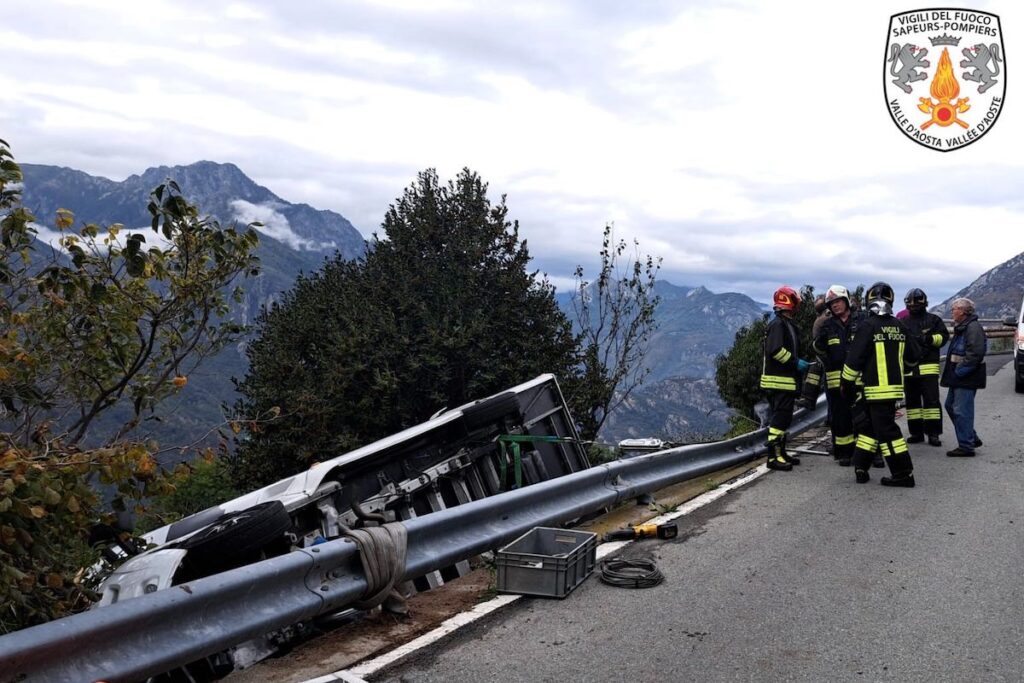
235	538
1018	385
489	411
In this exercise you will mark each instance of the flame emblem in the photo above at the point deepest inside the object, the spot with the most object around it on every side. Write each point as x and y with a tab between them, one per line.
944	88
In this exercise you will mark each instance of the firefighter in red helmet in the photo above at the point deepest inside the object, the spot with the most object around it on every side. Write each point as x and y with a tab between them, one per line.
780	375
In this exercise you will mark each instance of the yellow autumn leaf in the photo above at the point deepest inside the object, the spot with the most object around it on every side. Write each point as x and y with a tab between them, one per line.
38	512
235	427
180	381
65	219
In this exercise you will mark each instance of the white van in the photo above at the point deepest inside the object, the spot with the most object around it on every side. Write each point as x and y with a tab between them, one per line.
1018	348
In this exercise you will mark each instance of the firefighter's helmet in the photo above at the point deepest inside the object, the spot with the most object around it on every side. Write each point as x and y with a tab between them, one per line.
916	300
785	299
836	292
880	298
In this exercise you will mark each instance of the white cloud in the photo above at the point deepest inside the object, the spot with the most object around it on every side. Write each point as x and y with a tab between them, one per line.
275	225
744	142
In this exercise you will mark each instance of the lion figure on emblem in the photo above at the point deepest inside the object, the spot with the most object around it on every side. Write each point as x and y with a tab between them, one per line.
912	59
978	58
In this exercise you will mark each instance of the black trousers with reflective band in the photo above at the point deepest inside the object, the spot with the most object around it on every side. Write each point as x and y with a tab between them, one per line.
841	424
780	406
924	411
877	431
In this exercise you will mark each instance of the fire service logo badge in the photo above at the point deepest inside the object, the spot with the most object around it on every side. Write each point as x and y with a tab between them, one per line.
932	100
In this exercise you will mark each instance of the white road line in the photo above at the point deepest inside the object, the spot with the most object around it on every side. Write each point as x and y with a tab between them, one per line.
372	666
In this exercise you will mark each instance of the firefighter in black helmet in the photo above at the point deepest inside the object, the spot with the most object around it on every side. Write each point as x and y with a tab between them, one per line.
924	412
881	350
780	375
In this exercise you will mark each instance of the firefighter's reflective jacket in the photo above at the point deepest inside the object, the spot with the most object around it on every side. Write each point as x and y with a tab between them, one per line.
930	332
880	352
833	343
781	353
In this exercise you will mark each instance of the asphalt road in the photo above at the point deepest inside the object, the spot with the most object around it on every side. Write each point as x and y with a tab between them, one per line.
800	576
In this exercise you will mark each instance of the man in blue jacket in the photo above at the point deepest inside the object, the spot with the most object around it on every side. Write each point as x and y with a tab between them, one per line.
964	374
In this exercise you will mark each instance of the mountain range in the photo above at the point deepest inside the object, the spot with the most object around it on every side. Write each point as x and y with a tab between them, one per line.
294	238
996	293
678	400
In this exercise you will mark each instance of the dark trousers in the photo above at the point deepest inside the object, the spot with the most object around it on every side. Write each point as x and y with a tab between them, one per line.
841	424
780	406
924	411
877	431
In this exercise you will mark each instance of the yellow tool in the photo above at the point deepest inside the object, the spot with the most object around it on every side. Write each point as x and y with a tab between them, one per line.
640	531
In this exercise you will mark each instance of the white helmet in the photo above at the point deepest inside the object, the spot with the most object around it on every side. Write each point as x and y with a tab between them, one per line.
836	292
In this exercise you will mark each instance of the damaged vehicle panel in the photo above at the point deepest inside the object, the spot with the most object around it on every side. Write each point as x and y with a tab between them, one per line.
452	458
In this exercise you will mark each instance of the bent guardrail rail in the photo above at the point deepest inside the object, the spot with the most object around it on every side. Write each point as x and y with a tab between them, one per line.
144	636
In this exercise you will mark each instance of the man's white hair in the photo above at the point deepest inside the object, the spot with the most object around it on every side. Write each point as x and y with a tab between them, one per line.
963	302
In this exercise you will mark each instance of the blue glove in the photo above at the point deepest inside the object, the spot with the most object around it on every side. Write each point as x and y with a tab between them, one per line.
802	365
962	371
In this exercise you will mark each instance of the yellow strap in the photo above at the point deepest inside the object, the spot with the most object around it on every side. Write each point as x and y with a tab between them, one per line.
845	440
900	446
892	391
849	374
866	443
834	341
782	355
936	340
928	369
880	364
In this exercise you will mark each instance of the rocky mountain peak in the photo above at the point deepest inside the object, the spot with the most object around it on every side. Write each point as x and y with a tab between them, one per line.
996	293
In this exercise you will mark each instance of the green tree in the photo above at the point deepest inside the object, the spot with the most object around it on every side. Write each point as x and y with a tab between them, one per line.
98	323
442	310
615	318
738	371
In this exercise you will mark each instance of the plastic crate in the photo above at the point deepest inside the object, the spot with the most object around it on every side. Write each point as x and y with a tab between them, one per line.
546	562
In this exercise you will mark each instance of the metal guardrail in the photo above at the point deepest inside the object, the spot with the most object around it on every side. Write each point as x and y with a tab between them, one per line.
144	636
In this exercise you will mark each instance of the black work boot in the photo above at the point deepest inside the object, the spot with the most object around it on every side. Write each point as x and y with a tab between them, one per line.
776	460
862	476
915	438
934	440
904	480
977	442
791	459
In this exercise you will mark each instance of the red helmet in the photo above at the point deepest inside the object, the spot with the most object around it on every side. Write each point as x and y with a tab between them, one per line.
785	299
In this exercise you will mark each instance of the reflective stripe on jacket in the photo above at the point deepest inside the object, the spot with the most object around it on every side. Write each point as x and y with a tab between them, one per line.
832	343
781	352
878	355
930	333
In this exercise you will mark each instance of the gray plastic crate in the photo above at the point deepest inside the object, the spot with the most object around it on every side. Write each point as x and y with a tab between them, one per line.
546	562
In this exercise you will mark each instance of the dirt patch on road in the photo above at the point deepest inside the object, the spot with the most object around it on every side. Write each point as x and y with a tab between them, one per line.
372	634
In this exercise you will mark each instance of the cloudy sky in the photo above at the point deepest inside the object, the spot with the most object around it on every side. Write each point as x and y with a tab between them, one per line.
746	143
